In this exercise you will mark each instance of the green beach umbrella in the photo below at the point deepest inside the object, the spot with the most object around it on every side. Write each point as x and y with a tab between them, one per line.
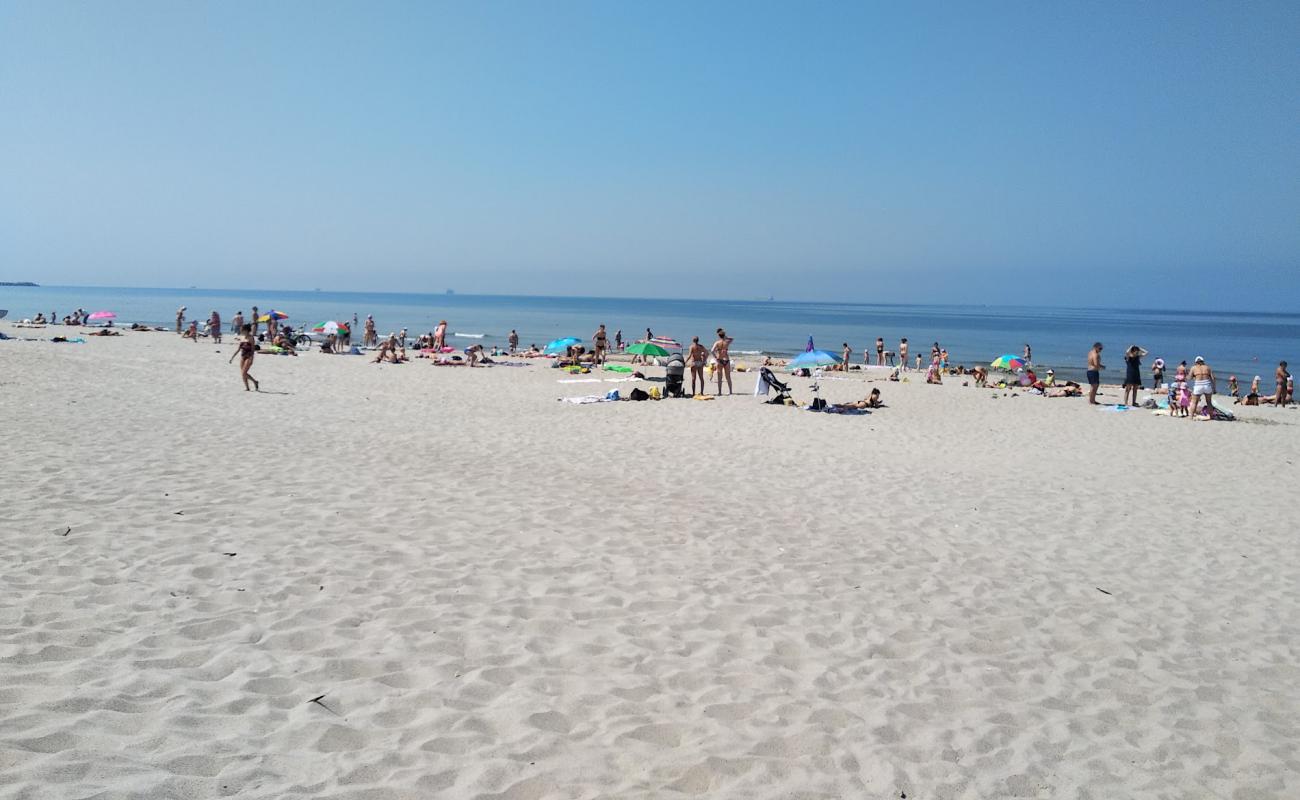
646	349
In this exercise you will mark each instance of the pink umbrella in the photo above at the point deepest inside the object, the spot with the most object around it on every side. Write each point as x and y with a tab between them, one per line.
103	315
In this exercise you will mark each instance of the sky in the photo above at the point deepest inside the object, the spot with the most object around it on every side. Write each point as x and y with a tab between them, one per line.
1077	154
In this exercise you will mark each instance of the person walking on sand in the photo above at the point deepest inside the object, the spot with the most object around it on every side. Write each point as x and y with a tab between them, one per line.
696	358
256	321
618	340
600	342
514	341
1284	384
1029	354
1094	372
246	349
848	351
1132	374
880	351
722	355
1202	386
237	322
368	336
902	353
214	326
180	319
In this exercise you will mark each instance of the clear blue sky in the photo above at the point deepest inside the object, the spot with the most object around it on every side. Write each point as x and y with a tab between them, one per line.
1125	154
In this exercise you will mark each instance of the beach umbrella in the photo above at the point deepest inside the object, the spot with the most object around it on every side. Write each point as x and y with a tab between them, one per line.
810	359
270	315
562	345
1008	362
103	315
646	349
330	326
667	341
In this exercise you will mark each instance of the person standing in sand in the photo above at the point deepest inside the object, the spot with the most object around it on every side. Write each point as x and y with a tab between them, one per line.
844	363
618	340
514	341
1094	372
1132	374
880	351
600	342
696	358
721	354
1202	385
180	319
902	353
237	323
214	326
1029	354
440	336
1284	384
256	322
368	337
246	350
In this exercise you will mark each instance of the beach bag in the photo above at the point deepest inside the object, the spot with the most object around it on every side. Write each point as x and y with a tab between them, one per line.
818	404
638	394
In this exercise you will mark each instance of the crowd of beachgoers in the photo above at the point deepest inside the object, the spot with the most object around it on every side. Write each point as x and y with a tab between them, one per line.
1184	390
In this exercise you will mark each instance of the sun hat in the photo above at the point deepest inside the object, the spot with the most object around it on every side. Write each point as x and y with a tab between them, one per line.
1199	360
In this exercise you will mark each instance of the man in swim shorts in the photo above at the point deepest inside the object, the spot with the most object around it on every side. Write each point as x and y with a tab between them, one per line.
880	351
1283	383
1094	372
1202	385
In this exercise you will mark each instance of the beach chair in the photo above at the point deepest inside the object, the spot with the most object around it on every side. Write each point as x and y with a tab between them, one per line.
768	380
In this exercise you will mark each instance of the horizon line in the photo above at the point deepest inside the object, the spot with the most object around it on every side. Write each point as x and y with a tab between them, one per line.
752	301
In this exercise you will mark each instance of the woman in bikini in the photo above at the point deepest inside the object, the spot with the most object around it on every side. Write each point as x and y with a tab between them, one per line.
696	358
246	349
722	355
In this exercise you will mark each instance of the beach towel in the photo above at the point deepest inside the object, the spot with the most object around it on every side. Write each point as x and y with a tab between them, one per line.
578	380
586	399
617	368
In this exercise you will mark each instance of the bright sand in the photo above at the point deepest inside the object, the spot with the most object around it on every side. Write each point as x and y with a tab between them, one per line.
497	595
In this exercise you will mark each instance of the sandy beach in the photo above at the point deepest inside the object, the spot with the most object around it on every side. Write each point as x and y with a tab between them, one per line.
401	581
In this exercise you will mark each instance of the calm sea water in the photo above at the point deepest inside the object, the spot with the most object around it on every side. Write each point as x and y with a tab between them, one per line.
1233	342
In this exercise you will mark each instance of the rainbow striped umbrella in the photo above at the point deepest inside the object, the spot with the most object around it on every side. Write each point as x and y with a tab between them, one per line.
270	315
1008	362
667	341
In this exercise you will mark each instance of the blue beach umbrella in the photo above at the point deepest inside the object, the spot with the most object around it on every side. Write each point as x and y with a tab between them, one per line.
562	345
811	359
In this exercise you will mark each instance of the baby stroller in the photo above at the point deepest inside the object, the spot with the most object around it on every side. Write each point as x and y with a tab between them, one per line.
768	380
676	367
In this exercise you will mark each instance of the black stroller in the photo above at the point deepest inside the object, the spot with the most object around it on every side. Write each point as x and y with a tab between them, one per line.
676	368
782	390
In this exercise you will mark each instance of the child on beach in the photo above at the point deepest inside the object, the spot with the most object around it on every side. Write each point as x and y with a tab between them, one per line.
1232	386
1184	398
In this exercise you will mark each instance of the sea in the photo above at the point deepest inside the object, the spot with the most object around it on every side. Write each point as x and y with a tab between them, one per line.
1241	343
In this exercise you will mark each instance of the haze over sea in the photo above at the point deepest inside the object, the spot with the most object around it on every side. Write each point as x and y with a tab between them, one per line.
1241	343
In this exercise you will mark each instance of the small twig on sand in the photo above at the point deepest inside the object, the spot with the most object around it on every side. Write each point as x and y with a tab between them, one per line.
317	700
